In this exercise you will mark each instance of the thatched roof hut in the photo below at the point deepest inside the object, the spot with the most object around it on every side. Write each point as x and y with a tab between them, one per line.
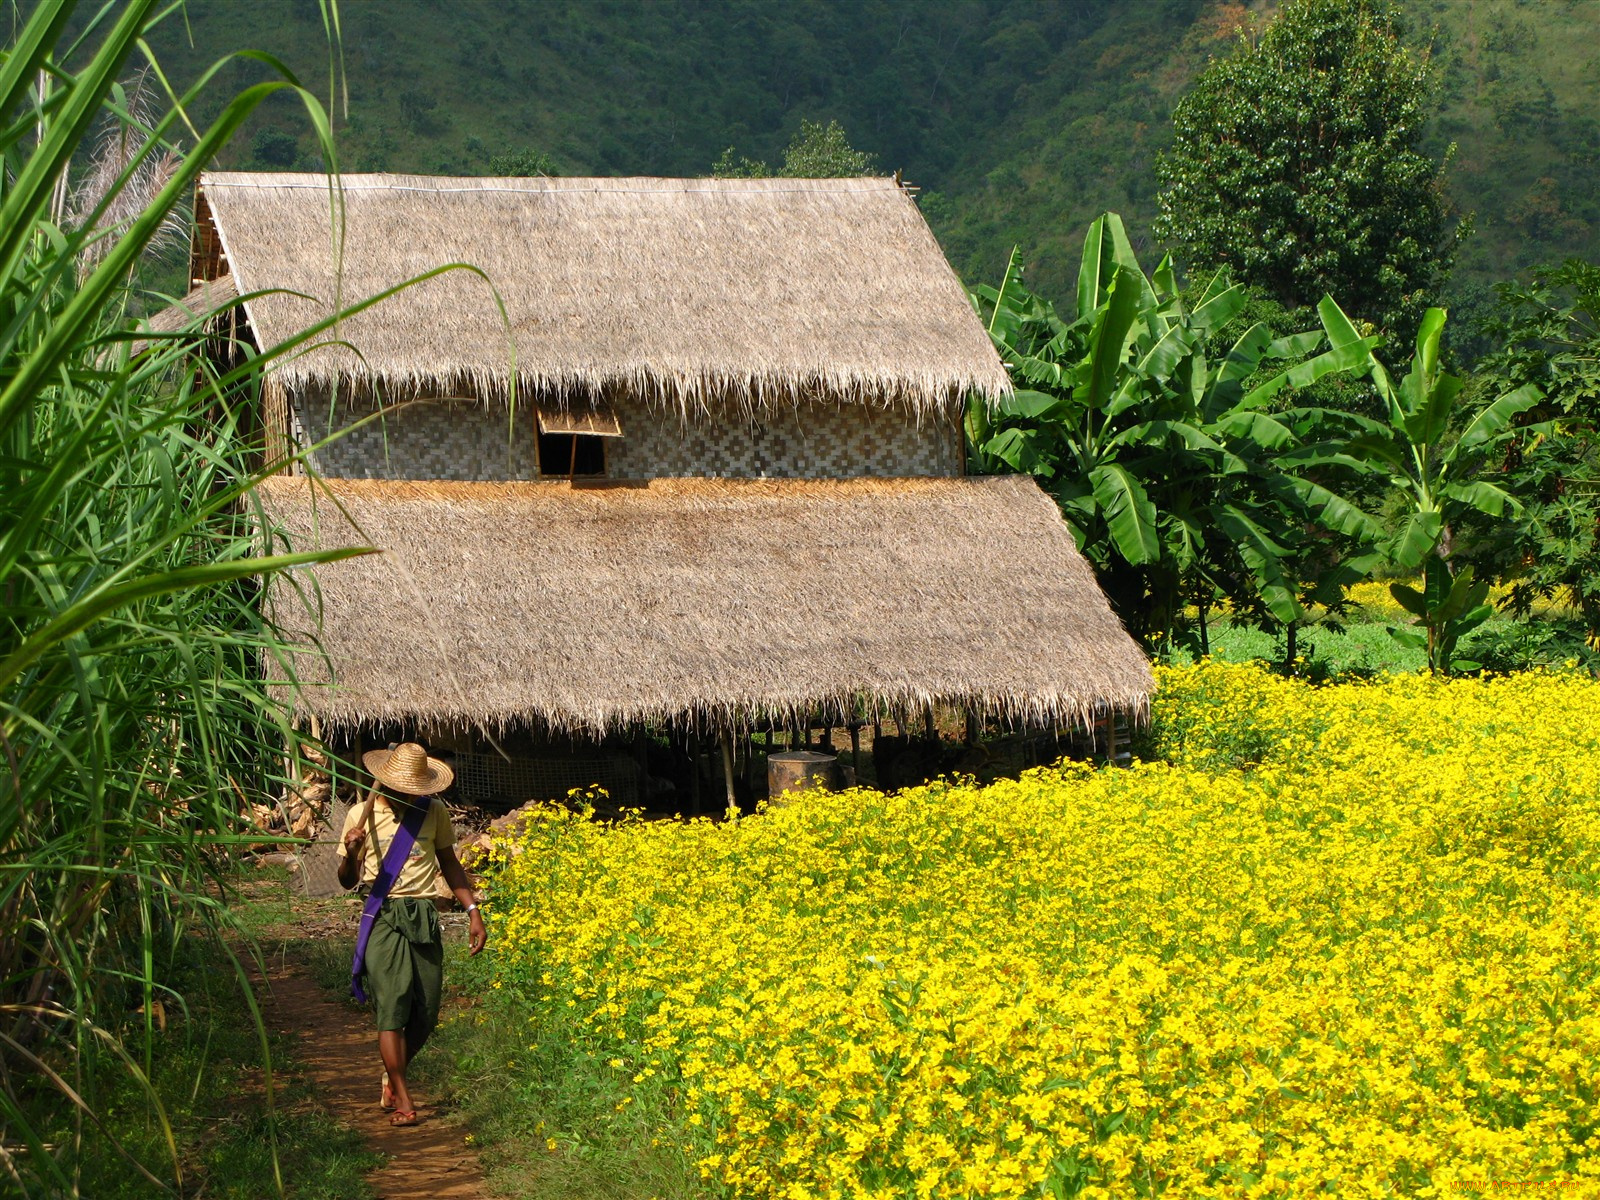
685	290
591	608
777	369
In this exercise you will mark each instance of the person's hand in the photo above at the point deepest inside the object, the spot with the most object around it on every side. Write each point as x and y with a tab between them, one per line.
478	933
353	839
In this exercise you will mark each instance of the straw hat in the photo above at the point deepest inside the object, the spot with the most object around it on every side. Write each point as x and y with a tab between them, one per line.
407	768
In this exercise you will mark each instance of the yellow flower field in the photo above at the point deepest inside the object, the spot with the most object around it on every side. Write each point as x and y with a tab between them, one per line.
1337	941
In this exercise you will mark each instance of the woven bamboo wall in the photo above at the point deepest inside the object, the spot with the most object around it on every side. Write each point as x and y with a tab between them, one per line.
438	439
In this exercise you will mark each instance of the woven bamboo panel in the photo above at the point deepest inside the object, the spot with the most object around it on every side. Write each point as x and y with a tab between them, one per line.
461	441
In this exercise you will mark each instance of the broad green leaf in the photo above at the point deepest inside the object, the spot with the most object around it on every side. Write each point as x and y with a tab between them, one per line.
1428	334
1094	269
1106	251
1351	356
1128	513
1341	331
1296	345
1244	357
1017	448
1482	495
1497	417
1410	599
1467	622
1264	556
1257	428
1108	344
1333	512
1032	405
1004	317
1428	424
1157	433
1417	538
1216	311
1159	361
1377	448
1215	286
1165	280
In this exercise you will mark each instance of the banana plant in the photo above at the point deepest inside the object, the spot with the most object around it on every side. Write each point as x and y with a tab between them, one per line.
1447	608
1435	469
1179	474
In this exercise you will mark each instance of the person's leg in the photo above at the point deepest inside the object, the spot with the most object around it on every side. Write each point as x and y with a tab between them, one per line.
391	982
427	974
392	1048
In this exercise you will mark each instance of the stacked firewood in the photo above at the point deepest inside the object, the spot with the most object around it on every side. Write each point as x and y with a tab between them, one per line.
303	808
474	846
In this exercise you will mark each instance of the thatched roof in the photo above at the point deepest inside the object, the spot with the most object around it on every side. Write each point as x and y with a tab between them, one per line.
756	289
592	607
202	303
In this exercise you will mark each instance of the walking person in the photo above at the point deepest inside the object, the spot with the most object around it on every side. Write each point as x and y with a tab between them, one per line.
399	842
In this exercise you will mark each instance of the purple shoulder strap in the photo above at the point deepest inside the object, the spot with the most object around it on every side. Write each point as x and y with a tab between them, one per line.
404	838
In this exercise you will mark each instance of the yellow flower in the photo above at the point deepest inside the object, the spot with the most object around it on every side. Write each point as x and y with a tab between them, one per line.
1329	940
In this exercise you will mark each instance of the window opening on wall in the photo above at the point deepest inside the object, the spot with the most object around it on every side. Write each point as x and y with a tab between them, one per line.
571	454
572	440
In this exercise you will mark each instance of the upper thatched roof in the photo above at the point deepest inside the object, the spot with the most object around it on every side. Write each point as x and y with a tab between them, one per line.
756	289
593	607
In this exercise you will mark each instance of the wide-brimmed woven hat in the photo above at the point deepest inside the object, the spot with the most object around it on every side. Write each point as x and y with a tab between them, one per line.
407	768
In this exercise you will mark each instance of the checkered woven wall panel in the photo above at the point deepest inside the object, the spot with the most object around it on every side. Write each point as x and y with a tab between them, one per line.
490	781
431	439
448	440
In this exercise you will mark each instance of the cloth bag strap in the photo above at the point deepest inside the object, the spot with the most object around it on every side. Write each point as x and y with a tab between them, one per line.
393	860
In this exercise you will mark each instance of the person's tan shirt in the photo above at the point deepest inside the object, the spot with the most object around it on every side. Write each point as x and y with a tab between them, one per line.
420	875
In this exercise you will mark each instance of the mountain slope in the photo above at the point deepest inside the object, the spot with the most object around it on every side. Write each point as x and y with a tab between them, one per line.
1020	121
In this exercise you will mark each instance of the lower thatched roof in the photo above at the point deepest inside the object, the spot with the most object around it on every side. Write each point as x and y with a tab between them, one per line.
201	304
591	607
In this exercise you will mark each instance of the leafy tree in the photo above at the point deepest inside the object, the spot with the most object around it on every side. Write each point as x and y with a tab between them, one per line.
1551	338
823	152
1297	164
1180	475
1437	470
816	152
524	162
272	147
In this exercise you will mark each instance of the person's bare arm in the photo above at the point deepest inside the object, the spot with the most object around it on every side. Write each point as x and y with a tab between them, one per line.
350	864
456	876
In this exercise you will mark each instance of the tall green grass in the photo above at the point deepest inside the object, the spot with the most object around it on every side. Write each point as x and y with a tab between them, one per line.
134	727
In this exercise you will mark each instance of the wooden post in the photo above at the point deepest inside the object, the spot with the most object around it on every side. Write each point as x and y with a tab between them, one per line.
972	728
930	728
727	772
641	757
694	774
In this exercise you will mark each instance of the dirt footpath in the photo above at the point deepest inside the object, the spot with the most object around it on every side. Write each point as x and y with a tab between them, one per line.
338	1051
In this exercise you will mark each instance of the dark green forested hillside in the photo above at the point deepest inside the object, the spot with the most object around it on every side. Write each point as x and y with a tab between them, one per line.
1021	119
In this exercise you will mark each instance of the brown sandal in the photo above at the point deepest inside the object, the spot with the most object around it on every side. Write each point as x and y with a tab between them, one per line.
401	1117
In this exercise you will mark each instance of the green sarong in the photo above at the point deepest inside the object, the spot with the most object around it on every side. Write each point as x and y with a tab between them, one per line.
405	967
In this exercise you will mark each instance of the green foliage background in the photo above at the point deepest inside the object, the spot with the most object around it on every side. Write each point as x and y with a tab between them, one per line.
1021	122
